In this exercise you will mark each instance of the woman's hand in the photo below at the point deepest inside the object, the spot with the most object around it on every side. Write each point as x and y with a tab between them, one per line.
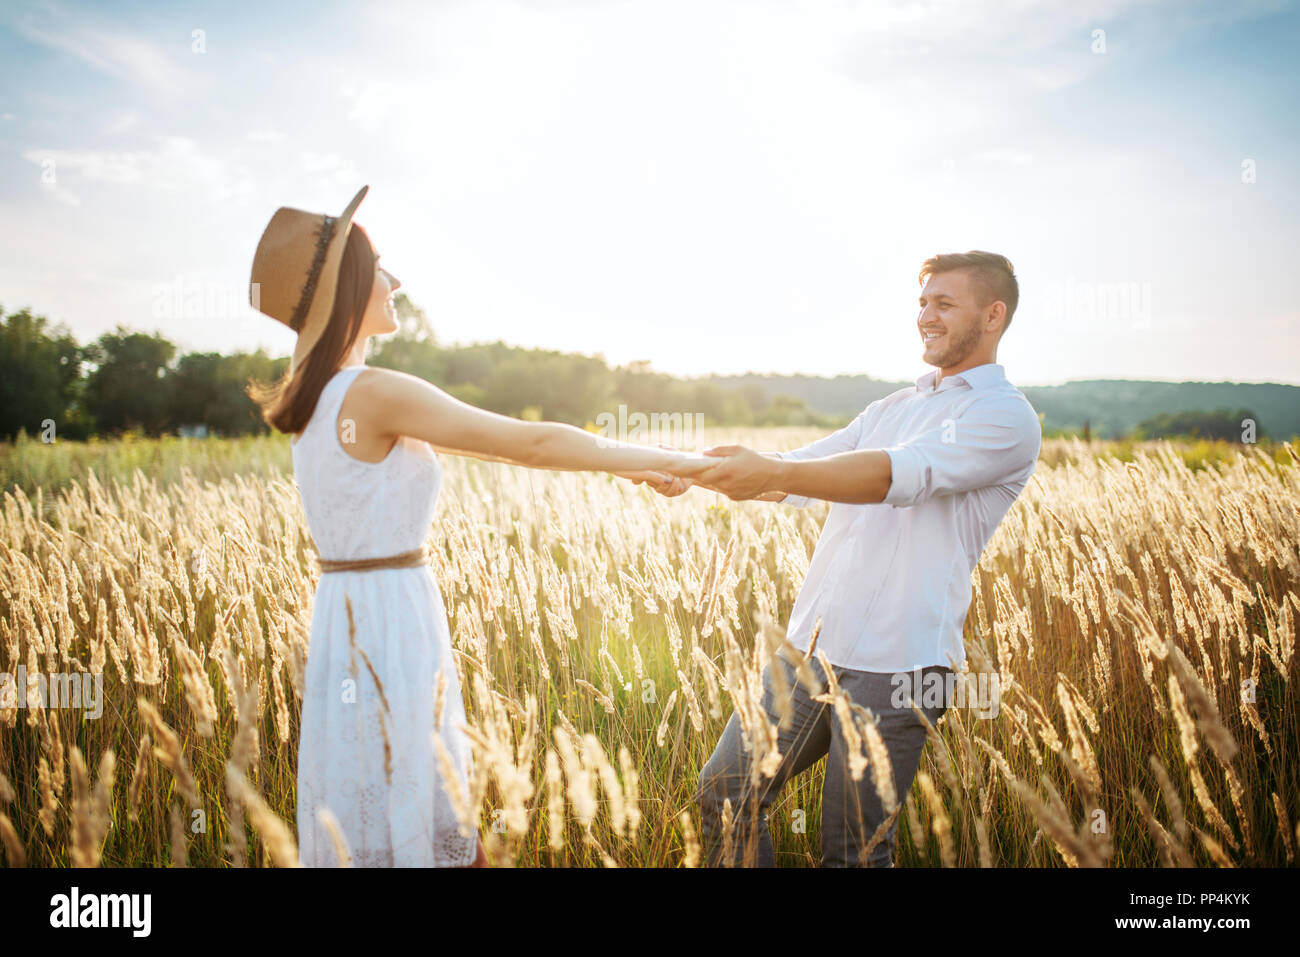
665	484
692	466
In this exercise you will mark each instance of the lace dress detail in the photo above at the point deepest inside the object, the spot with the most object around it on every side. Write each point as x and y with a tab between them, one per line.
366	751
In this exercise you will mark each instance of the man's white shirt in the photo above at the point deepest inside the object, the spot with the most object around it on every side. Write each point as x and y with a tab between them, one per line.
891	582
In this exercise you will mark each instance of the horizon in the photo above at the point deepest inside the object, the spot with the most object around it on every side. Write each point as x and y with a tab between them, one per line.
535	170
724	375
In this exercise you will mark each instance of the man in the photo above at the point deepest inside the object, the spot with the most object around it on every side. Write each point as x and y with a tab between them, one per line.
919	481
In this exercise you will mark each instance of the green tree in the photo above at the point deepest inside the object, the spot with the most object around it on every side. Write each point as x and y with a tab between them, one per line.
209	389
126	388
40	377
1199	423
788	410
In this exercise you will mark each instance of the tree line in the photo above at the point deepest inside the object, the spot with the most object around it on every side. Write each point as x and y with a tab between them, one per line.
133	381
136	381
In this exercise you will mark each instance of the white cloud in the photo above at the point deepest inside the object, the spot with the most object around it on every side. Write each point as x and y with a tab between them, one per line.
373	103
105	48
176	165
1007	157
60	194
122	123
329	169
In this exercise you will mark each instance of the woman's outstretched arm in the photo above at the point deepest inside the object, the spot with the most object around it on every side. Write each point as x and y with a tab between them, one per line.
385	405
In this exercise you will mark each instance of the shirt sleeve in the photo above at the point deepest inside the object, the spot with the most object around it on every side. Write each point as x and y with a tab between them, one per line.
991	443
845	440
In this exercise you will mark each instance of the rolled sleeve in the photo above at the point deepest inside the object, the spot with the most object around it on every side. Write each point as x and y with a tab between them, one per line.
906	476
991	443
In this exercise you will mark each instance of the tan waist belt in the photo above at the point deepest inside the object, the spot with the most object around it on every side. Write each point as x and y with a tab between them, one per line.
412	559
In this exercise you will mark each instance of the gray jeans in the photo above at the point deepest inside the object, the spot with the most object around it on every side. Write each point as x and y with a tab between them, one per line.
851	810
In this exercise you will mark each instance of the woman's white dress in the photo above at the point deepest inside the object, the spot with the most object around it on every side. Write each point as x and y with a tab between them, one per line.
366	750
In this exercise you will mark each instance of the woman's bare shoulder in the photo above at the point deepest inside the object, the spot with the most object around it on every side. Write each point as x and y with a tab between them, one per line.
386	383
397	403
386	391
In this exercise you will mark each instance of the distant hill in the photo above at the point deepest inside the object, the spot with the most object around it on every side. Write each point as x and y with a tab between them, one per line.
1112	407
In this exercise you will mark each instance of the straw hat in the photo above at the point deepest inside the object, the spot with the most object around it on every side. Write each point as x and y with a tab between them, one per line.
296	270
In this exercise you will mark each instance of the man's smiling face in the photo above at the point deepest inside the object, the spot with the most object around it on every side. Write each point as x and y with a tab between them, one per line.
951	318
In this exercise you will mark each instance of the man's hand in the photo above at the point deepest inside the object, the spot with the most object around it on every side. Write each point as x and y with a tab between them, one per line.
741	473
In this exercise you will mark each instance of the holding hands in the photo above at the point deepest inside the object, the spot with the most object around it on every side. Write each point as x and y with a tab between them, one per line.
734	470
665	483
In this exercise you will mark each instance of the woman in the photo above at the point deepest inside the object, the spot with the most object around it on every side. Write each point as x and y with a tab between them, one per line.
380	649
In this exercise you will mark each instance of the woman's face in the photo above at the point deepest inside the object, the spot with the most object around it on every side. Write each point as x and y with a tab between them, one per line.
381	314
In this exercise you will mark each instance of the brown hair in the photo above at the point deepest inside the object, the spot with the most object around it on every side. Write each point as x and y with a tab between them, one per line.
992	274
288	404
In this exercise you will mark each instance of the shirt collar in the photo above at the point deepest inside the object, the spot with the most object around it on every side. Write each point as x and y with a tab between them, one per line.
977	377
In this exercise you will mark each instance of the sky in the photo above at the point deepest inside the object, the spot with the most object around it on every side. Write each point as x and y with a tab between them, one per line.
705	185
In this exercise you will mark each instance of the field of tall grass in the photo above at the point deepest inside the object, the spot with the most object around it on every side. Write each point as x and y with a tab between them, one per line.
1138	612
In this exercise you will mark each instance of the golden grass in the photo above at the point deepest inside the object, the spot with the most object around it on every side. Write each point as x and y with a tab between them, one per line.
1139	617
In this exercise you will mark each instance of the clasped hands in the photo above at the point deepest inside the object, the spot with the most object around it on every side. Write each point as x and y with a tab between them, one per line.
734	470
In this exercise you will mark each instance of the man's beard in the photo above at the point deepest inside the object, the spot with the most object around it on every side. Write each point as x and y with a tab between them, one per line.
958	349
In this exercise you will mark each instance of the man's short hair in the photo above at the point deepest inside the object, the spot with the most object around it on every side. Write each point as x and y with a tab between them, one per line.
991	275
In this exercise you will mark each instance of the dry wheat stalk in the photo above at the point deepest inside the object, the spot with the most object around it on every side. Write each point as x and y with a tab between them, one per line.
276	835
